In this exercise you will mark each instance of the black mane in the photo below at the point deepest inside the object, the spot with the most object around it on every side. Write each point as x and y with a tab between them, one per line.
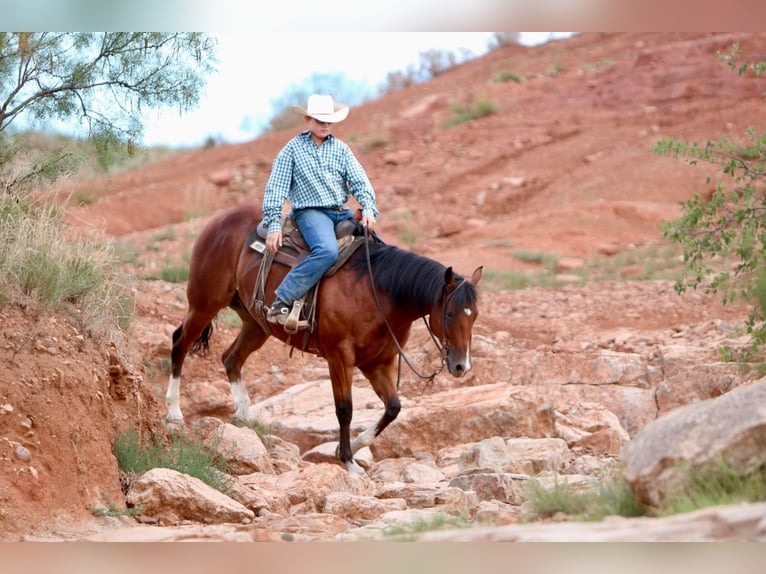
409	279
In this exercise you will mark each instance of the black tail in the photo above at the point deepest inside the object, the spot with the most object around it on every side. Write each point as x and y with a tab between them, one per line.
201	345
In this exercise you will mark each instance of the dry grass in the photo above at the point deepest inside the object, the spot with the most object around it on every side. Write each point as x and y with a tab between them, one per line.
45	263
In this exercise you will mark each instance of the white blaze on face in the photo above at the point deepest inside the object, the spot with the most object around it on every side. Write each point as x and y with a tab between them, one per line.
468	312
467	359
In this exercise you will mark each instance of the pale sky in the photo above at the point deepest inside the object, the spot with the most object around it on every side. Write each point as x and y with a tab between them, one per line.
256	68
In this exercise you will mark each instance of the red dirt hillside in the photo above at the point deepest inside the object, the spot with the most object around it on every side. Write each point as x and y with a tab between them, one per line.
564	167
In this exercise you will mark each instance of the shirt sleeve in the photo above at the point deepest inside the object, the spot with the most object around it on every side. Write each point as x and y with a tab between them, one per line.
277	189
359	185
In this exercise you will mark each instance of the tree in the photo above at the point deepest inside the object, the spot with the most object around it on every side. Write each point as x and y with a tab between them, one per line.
723	235
101	82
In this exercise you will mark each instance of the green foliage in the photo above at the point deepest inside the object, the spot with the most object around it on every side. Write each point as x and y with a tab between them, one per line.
157	367
168	234
408	533
596	66
409	237
229	318
262	429
547	259
137	454
513	280
507	76
649	262
82	197
723	234
742	63
101	81
554	70
613	497
113	510
466	113
172	273
715	485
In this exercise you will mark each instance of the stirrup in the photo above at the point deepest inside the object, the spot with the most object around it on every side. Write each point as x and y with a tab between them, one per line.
293	324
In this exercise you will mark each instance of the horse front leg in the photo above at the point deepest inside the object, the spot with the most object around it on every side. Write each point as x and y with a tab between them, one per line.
382	378
341	376
250	338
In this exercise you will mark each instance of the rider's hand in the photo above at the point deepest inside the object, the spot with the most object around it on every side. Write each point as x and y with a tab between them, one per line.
274	241
368	221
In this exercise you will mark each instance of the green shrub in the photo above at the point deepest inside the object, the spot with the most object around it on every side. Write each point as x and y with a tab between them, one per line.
229	318
513	280
715	485
613	497
507	76
463	113
408	533
722	234
173	273
136	454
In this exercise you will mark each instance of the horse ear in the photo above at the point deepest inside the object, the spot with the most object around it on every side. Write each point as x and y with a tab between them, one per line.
476	277
449	277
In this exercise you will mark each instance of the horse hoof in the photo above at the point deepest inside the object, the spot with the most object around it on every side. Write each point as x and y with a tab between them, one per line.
175	426
354	468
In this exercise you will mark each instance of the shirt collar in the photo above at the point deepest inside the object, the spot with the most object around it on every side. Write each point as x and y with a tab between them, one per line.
307	135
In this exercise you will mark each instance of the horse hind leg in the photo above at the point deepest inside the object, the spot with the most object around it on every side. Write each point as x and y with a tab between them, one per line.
193	334
251	337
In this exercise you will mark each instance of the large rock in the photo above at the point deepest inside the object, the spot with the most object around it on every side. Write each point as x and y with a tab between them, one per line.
166	491
241	448
359	508
731	428
466	415
258	492
503	487
736	523
515	455
309	486
304	414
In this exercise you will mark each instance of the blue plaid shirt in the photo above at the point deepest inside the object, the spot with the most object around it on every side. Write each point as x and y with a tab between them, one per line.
311	176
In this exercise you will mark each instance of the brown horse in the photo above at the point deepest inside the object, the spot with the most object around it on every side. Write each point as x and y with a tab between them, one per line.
358	318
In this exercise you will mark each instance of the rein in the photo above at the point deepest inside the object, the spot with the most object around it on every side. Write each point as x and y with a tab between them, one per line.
402	355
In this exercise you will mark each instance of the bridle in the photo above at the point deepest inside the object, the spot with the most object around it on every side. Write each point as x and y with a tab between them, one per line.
442	346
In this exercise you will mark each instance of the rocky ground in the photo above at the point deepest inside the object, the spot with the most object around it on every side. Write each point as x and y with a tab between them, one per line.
562	171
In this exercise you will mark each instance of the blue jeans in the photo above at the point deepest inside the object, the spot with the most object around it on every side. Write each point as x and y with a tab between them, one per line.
318	229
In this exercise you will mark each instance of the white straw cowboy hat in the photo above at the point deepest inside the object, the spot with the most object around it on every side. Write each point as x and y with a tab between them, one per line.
322	108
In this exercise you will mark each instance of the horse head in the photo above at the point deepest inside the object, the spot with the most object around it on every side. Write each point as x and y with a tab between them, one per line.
453	322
